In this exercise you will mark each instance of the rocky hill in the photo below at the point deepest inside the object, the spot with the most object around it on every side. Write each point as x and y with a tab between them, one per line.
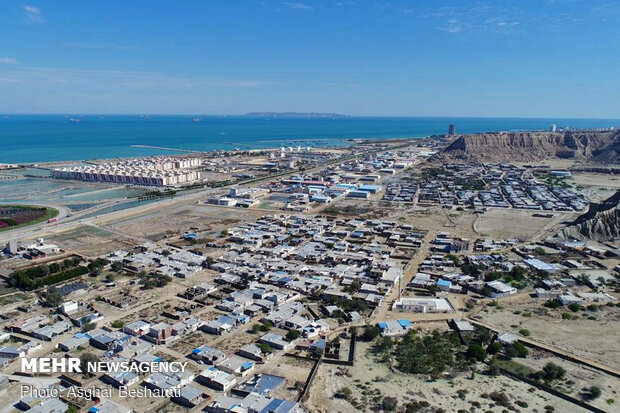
600	223
591	147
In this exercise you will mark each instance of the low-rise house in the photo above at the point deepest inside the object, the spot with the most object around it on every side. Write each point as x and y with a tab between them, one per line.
253	352
186	327
137	328
51	331
276	341
538	265
253	403
422	305
168	381
34	404
236	365
219	326
121	379
569	298
207	354
146	360
597	297
392	328
108	406
69	307
507	338
463	326
315	329
217	379
263	384
500	289
107	341
421	280
77	340
190	396
159	333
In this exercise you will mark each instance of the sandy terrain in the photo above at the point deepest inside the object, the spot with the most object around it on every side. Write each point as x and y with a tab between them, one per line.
577	378
596	186
90	241
174	221
376	380
502	223
574	336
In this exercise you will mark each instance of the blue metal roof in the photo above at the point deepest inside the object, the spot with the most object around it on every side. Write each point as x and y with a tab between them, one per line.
369	188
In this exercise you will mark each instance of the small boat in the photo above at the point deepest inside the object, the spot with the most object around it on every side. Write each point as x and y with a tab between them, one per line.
196	120
75	120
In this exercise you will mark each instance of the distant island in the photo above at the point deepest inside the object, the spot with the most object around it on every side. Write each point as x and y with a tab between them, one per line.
294	115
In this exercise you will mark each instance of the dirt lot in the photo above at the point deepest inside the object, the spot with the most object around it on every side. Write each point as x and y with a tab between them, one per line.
502	223
172	222
596	186
574	336
91	241
377	380
577	378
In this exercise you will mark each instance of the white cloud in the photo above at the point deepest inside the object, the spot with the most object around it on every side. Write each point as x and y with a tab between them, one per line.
297	6
8	60
481	18
34	14
451	26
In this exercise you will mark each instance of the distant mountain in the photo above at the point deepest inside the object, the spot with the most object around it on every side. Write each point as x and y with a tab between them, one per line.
595	147
294	115
600	223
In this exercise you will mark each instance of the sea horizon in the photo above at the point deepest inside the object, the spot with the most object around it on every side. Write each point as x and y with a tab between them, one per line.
41	138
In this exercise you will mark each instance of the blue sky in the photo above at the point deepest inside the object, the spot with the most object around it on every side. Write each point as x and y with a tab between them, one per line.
525	58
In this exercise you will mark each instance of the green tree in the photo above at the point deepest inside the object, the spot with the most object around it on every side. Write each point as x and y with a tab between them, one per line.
292	335
44	269
344	393
117	324
428	354
370	333
384	344
53	297
355	286
517	350
476	352
389	403
88	327
86	358
574	307
264	348
552	372
495	347
591	393
518	273
116	266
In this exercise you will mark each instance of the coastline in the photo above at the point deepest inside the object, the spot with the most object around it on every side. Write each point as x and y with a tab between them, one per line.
39	139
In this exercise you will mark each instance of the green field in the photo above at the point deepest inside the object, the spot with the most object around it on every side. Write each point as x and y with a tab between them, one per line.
48	214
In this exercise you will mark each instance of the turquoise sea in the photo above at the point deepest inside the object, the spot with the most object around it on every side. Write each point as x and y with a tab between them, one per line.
42	138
